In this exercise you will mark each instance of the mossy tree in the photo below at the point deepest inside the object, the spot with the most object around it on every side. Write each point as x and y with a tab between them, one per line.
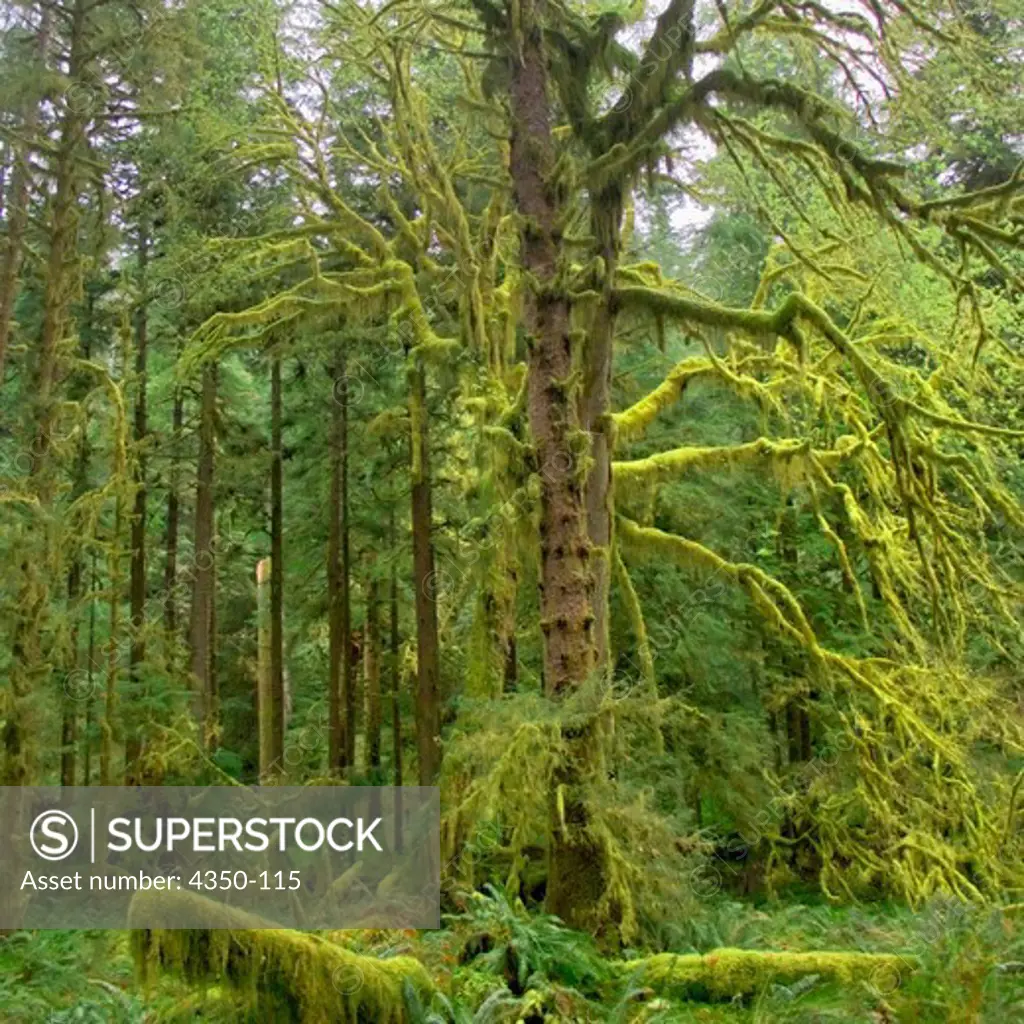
459	197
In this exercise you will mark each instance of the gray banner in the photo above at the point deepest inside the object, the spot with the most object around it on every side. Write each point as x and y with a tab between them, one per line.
267	857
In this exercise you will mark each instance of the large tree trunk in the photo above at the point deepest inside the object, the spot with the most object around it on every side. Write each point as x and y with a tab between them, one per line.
28	668
137	653
200	628
338	595
567	616
18	207
576	869
428	687
276	574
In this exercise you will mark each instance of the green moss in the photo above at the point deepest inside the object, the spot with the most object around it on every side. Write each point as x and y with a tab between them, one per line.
725	974
289	975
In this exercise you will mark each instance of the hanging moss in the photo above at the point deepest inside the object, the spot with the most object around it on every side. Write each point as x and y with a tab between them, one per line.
725	974
632	422
636	618
904	808
289	975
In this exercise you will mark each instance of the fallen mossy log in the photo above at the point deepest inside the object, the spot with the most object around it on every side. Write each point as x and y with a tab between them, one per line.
728	973
290	975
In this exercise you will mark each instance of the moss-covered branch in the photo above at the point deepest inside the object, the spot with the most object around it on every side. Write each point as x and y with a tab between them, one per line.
736	973
632	422
789	458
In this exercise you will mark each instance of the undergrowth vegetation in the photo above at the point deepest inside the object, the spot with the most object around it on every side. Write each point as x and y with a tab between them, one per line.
497	963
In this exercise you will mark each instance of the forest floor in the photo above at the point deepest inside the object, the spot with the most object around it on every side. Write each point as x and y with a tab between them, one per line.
969	967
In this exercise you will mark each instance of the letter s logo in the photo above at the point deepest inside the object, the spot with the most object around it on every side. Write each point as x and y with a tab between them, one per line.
54	826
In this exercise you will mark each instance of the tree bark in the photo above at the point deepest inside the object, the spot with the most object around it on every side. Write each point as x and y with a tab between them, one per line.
263	688
173	525
200	628
371	669
213	680
798	722
109	722
137	652
576	868
606	223
337	573
348	675
276	574
491	667
111	726
90	662
428	692
28	664
567	617
69	694
18	208
395	672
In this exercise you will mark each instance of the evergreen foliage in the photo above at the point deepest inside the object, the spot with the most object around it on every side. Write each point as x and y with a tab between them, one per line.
611	413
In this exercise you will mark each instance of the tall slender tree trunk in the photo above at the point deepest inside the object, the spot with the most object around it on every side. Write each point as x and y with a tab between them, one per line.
576	867
173	524
28	665
18	207
6	155
395	673
90	692
595	405
264	704
428	687
491	666
111	725
213	681
394	666
797	718
276	573
337	572
371	669
200	629
109	722
348	675
70	691
137	653
70	694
